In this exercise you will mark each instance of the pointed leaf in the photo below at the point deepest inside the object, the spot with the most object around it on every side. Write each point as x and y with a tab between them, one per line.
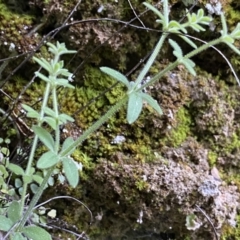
14	211
43	77
188	40
64	118
31	113
152	102
115	74
227	39
197	27
71	171
176	47
155	10
200	13
68	141
5	223
43	63
233	48
189	64
45	137
36	233
47	160
51	122
15	169
134	108
175	25
49	112
236	32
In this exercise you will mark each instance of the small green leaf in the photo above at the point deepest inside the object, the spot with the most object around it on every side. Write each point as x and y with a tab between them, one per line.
155	10
45	137
37	178
189	64
134	108
47	160
34	188
152	102
200	13
177	49
43	77
71	171
36	233
63	118
197	27
49	112
68	141
43	63
51	122
174	25
27	179
14	211
115	74
236	32
233	48
227	39
5	223
31	113
18	183
188	40
15	169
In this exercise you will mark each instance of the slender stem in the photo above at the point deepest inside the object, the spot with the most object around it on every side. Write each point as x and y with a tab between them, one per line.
34	146
95	126
90	130
151	59
35	199
174	64
55	107
203	47
166	13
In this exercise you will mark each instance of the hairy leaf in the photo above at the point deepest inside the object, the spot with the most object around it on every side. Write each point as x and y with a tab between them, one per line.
47	160
45	137
115	74
15	169
152	102
71	171
134	108
5	223
36	233
13	211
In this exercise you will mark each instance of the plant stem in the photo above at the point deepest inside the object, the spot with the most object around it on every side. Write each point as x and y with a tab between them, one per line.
55	107
35	199
151	59
95	126
84	136
176	63
33	149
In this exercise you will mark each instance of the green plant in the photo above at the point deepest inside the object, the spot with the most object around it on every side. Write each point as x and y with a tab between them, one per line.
12	221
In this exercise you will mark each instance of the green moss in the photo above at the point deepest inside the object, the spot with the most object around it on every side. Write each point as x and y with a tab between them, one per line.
231	233
212	158
141	185
178	134
85	160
